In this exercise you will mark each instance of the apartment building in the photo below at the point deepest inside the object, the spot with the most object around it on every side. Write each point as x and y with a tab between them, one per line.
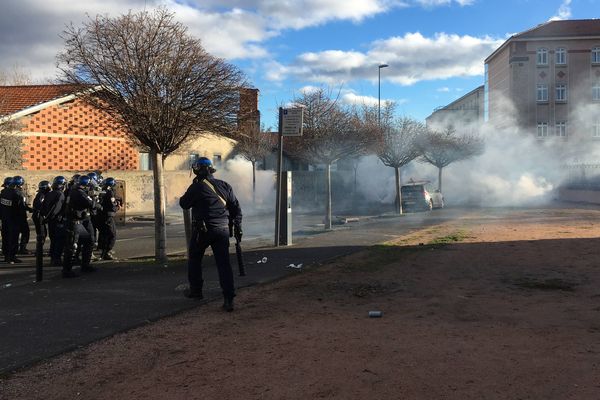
546	82
465	111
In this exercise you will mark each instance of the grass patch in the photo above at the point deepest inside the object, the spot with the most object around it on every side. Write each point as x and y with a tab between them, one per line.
454	237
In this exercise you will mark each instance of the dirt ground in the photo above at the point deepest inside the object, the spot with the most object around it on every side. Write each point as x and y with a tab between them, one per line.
496	305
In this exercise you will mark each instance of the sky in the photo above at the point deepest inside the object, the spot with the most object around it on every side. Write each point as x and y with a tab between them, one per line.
434	48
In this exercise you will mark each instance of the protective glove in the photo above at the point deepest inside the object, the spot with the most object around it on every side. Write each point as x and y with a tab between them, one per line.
237	232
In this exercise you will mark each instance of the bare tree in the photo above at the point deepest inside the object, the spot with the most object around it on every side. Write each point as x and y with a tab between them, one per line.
442	148
399	145
11	152
253	144
156	81
331	132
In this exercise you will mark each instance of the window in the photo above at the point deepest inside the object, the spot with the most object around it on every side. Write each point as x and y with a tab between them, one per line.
542	129
145	162
193	158
596	91
560	129
596	55
542	56
542	93
561	56
596	131
561	92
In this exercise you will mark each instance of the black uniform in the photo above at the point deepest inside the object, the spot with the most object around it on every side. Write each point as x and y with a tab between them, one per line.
13	207
78	229
52	213
40	225
210	219
23	225
106	221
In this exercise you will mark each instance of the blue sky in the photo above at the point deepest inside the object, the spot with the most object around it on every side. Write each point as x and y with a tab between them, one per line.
435	48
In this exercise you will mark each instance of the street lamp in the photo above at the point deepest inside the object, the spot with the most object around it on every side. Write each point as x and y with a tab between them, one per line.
379	94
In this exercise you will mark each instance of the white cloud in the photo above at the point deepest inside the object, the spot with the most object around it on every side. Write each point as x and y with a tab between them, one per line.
443	89
439	3
564	11
411	58
232	29
350	97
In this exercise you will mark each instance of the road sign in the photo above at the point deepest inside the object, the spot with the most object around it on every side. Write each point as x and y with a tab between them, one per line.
291	121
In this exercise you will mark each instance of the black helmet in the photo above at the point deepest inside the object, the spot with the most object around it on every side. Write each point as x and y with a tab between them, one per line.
203	166
18	181
59	182
7	181
44	186
109	182
75	178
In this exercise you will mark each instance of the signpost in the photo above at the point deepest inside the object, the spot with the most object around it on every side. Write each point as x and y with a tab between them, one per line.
290	124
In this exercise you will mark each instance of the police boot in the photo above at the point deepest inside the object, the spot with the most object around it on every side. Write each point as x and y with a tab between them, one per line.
106	255
228	304
23	249
16	260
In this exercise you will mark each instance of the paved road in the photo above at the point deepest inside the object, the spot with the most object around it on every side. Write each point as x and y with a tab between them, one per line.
39	320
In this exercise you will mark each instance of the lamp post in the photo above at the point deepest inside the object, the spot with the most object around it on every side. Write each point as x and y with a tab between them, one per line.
379	94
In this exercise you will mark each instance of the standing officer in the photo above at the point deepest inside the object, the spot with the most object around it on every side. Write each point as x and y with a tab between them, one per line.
52	214
78	227
13	207
106	219
23	225
213	205
40	225
5	224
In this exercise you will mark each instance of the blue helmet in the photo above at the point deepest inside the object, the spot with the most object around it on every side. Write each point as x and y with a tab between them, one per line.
18	181
109	182
84	181
7	181
59	180
201	165
93	176
44	186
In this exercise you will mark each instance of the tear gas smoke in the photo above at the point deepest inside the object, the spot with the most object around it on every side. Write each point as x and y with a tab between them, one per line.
238	173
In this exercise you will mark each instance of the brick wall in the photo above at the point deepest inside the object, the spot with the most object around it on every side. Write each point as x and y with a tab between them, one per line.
74	136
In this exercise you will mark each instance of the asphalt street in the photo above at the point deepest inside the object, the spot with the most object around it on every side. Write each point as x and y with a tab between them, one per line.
43	319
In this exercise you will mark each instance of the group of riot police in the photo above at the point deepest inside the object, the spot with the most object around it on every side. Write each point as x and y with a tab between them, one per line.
72	214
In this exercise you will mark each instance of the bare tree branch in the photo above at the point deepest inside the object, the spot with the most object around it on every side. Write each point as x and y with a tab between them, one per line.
156	81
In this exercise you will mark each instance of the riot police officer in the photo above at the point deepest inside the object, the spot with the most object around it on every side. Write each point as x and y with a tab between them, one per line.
78	227
95	193
5	224
13	207
23	226
213	205
106	219
52	214
40	225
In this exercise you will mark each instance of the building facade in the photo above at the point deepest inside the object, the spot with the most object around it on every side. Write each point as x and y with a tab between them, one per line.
465	111
60	132
546	82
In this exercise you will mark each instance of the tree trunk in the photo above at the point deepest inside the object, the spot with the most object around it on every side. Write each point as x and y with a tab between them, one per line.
253	182
440	179
398	192
328	200
160	231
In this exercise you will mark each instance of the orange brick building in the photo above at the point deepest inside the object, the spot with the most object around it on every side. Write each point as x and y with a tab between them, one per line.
60	132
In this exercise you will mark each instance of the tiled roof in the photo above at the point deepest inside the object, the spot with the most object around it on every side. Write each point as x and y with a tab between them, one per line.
565	28
16	98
